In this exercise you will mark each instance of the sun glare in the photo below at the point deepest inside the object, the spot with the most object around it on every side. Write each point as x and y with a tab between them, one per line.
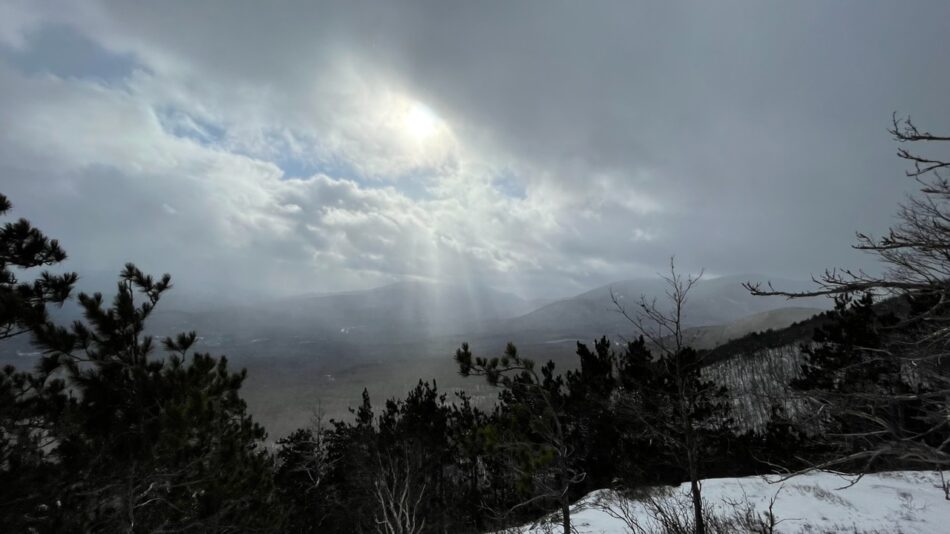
420	122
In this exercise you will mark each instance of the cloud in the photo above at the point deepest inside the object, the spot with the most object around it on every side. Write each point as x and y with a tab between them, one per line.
322	146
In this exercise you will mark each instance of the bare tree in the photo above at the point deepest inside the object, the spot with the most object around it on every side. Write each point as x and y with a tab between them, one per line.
673	401
398	494
662	325
319	462
916	254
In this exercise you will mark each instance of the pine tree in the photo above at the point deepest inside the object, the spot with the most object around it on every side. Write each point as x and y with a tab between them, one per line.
30	407
103	436
473	440
857	384
414	433
686	415
592	394
23	304
536	426
148	442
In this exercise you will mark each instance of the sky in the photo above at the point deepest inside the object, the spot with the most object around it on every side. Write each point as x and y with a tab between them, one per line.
543	148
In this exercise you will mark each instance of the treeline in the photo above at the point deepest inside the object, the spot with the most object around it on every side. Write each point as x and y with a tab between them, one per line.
442	465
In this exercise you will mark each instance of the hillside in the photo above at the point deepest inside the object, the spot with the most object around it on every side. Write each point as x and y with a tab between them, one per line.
708	337
713	301
759	365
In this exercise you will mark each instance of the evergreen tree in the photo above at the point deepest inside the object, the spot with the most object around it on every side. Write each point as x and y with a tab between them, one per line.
355	454
417	466
104	437
23	304
147	443
858	386
473	439
609	452
303	478
414	433
868	381
686	415
27	403
536	426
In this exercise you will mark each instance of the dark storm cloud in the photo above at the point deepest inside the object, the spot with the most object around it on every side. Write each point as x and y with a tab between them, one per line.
759	126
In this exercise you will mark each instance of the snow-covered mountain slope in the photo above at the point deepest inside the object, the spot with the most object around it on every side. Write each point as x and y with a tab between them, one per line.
714	301
893	502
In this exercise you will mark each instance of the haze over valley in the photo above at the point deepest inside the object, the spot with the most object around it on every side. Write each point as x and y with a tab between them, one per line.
313	351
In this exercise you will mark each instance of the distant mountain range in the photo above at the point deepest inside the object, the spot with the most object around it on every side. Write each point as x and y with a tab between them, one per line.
404	318
714	301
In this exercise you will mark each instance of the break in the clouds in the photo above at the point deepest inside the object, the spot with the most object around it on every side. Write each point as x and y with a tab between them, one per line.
540	147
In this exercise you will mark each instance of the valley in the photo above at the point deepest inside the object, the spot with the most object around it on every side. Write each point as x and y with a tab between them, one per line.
317	353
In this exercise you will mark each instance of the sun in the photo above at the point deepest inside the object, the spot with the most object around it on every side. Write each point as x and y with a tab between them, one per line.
420	122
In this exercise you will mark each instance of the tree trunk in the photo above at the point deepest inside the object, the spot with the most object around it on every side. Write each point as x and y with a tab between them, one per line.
692	455
697	506
694	487
566	513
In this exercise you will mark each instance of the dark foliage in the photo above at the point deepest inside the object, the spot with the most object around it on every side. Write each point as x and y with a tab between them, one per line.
23	304
884	387
104	437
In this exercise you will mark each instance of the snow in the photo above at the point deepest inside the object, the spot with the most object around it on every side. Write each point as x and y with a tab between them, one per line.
818	502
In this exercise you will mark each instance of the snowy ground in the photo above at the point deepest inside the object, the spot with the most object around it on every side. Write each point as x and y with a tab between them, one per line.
891	502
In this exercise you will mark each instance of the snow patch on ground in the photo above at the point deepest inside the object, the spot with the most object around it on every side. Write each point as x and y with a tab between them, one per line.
889	502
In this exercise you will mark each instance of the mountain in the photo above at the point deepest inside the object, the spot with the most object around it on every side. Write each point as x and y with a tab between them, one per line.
713	301
418	319
346	326
707	337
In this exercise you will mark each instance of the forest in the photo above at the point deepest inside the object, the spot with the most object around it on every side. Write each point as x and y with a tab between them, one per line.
115	431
